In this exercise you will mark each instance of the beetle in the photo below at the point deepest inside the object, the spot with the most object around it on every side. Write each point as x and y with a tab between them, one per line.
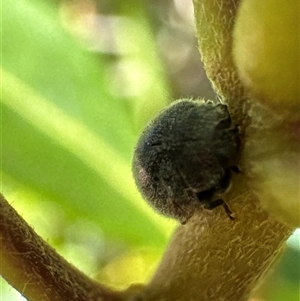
185	156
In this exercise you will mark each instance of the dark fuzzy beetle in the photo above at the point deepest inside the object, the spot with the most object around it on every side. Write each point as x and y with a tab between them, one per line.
184	158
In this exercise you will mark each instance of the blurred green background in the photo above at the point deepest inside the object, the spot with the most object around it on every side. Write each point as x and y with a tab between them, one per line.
80	79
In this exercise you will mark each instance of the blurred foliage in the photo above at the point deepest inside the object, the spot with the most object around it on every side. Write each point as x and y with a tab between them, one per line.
79	81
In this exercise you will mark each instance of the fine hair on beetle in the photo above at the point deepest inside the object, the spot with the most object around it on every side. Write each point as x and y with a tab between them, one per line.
185	157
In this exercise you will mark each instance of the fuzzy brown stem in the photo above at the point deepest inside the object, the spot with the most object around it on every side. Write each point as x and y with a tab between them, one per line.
215	258
214	22
31	266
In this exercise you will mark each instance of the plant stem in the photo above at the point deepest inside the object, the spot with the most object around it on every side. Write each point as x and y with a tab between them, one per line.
215	258
34	268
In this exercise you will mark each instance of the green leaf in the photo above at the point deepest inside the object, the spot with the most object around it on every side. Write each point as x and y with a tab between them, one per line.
65	134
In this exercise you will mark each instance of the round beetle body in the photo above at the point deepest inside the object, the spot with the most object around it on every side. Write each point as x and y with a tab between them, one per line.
184	157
